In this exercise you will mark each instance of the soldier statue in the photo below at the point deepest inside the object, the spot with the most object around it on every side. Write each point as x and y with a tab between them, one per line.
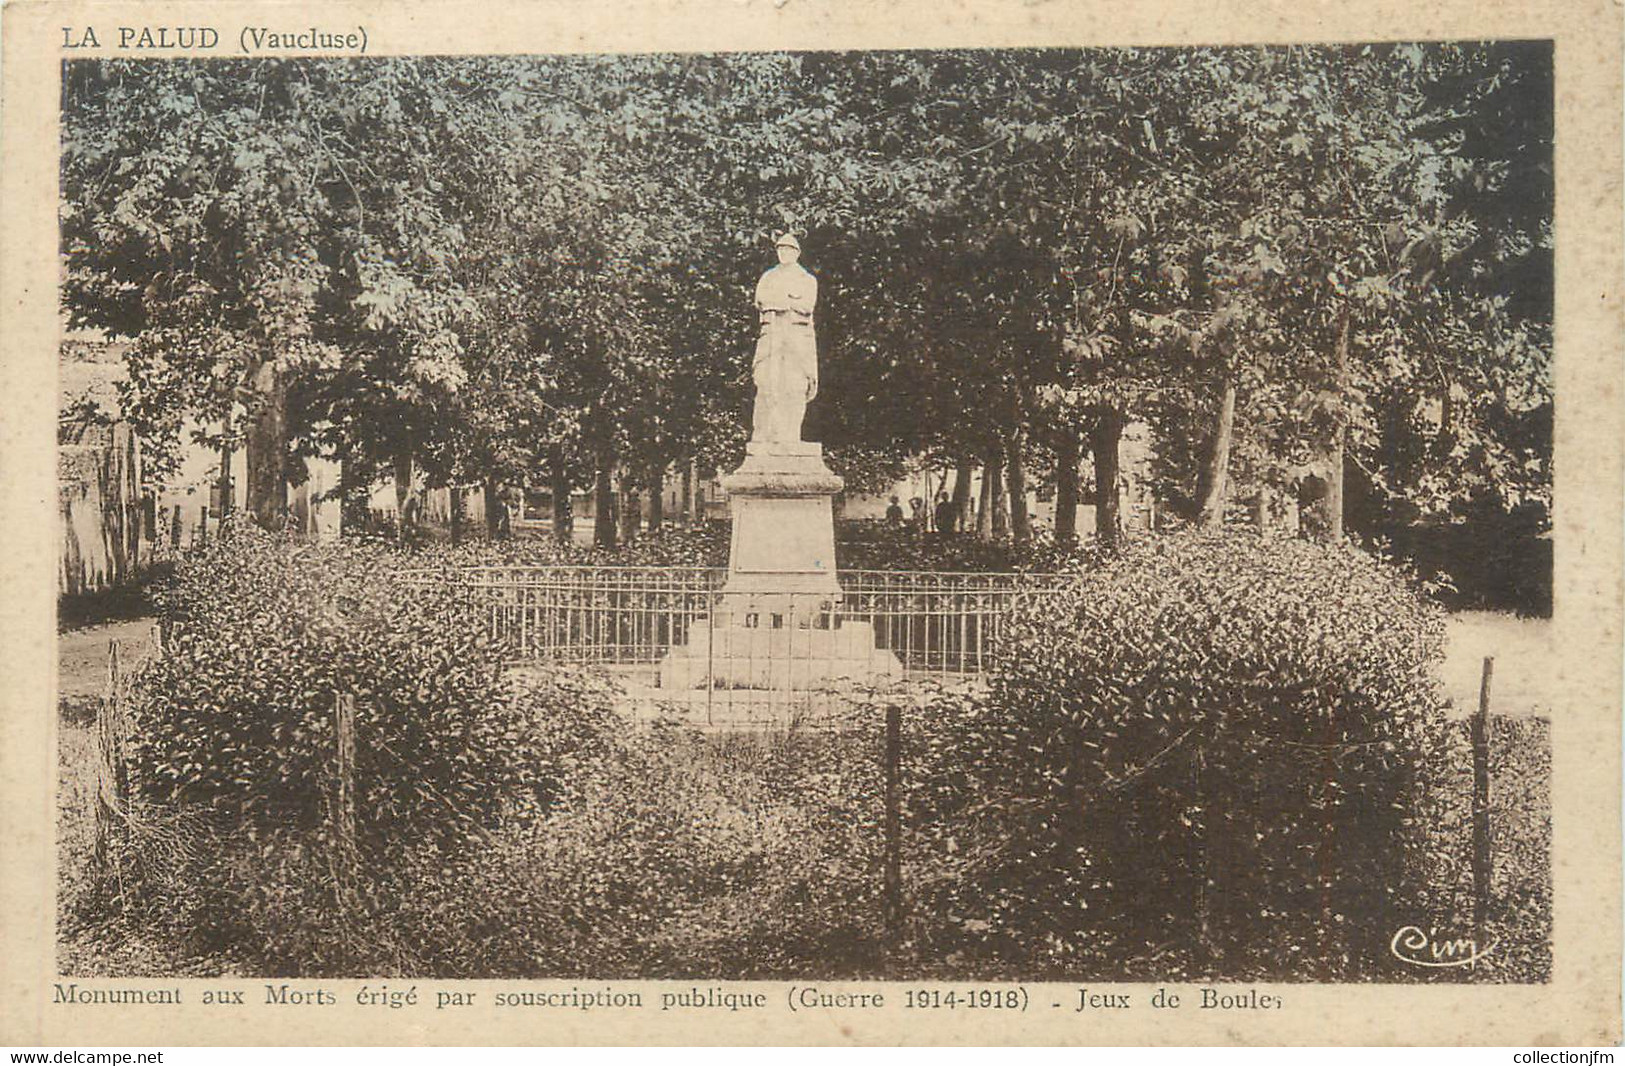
785	369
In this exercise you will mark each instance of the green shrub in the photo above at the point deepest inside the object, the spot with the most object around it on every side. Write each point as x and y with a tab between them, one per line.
234	736
1209	740
263	637
859	545
1209	756
671	545
864	545
705	544
510	821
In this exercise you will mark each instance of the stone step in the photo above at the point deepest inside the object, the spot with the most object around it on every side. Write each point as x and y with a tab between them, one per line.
767	657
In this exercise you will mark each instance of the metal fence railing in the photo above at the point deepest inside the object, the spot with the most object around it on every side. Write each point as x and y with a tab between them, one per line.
675	634
619	615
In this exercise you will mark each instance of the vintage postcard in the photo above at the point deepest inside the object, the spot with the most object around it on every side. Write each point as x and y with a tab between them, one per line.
735	522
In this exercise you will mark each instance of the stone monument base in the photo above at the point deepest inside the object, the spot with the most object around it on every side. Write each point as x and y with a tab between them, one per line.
783	524
779	623
752	653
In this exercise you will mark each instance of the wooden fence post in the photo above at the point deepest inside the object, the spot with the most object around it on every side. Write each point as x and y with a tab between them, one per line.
175	531
112	779
1483	861
893	884
342	798
1205	948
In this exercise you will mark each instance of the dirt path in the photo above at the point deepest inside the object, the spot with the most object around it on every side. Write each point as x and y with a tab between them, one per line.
1522	648
81	655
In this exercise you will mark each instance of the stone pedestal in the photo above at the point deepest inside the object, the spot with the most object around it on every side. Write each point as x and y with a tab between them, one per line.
778	624
783	524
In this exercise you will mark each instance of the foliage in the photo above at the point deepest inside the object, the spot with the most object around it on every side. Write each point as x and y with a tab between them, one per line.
498	266
703	545
859	545
118	603
233	835
1212	756
1199	736
757	855
658	853
1491	559
864	545
264	637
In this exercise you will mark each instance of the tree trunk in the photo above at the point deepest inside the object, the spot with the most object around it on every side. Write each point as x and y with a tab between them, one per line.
1333	504
458	506
631	510
223	482
1445	443
657	493
493	504
1103	442
564	519
1216	472
997	503
1021	526
961	496
603	516
1066	487
1334	492
353	502
266	443
984	505
688	493
226	492
403	491
1263	508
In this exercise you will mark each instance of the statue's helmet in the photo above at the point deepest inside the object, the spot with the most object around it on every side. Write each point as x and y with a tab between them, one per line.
788	240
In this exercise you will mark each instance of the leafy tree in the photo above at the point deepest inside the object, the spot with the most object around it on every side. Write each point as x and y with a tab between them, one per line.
1286	259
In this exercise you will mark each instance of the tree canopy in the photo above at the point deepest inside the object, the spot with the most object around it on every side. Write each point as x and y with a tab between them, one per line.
1290	261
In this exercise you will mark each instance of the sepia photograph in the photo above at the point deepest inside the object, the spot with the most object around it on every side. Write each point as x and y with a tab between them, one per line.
772	523
1000	514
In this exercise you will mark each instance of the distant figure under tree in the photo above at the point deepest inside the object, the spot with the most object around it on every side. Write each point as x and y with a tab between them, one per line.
500	521
894	514
411	519
945	515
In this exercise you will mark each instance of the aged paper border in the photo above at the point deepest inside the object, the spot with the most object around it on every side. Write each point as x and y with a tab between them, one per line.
1580	1006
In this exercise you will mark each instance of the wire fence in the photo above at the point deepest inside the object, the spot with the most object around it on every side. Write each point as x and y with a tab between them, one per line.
678	635
137	837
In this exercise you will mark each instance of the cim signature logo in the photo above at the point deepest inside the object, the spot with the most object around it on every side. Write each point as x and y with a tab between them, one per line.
1422	947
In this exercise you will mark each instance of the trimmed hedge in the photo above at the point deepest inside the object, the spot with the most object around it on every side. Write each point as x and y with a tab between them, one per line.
1212	741
1211	757
262	638
510	822
233	742
859	545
